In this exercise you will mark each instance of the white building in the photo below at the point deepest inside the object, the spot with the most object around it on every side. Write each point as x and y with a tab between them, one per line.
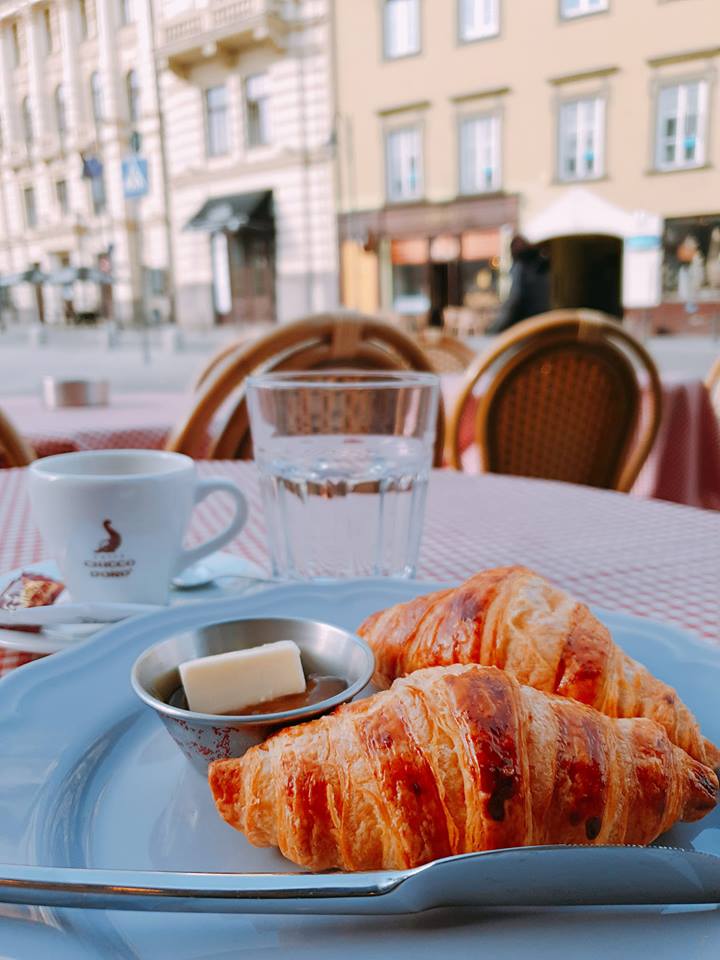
231	102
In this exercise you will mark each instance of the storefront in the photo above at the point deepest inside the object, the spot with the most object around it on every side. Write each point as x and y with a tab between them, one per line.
427	257
241	230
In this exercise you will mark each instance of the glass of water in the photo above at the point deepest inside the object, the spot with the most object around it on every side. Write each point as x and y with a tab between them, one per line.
344	459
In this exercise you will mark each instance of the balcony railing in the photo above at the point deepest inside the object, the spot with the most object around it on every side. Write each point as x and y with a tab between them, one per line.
230	23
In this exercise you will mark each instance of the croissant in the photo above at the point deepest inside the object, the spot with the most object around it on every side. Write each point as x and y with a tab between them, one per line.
513	618
456	759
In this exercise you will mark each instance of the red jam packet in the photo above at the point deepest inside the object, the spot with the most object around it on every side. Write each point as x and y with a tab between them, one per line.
29	590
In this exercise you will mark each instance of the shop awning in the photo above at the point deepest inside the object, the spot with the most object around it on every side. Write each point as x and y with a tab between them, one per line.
239	211
67	275
579	211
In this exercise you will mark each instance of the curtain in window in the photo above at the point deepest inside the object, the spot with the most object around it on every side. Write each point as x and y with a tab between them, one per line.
478	18
479	154
402	27
404	168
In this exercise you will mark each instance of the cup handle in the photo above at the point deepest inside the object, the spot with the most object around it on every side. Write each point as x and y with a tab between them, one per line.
203	489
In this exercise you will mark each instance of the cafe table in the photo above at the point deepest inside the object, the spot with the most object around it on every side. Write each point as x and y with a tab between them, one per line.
623	553
643	557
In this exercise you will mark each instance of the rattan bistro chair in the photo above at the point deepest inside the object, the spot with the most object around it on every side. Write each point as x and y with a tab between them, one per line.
14	450
562	402
446	353
343	340
712	382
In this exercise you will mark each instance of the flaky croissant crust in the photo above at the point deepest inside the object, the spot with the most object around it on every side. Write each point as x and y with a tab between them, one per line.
452	760
514	619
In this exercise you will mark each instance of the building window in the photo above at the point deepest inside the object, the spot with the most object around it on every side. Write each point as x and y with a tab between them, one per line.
27	121
30	210
97	194
216	112
581	8
17	48
681	126
83	19
127	12
478	19
257	110
96	97
480	154
61	193
581	139
48	38
403	155
401	28
60	113
132	86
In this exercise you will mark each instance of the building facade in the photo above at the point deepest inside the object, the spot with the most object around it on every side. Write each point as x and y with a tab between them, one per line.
77	79
246	92
229	104
590	125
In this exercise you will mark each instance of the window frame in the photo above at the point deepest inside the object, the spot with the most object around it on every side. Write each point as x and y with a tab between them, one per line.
133	96
97	104
48	32
63	202
252	143
17	46
60	107
582	14
28	121
703	83
391	58
82	20
210	153
495	115
31	221
128	13
485	36
390	131
599	98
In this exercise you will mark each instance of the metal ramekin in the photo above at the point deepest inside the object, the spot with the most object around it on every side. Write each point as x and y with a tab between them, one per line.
205	737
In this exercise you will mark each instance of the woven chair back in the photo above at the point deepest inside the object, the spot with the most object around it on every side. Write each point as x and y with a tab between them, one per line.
563	402
328	341
15	451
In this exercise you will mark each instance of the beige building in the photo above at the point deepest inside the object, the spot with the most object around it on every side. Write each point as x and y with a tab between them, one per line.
590	124
229	103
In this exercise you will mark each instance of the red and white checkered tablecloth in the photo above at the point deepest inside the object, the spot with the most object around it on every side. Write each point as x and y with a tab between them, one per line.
684	463
139	420
644	557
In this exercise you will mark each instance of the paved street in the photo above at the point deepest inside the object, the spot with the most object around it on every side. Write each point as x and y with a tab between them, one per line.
148	362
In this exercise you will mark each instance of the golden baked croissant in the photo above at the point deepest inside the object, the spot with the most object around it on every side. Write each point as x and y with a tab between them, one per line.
514	619
456	759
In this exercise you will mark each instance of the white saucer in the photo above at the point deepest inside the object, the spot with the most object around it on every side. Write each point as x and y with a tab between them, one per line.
53	639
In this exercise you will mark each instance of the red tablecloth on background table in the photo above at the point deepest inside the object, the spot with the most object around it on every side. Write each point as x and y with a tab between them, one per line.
641	556
131	420
684	463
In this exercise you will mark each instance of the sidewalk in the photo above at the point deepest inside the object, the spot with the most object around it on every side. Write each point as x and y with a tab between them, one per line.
149	360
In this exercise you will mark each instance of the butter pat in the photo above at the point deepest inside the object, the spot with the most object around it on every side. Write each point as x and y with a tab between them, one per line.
229	682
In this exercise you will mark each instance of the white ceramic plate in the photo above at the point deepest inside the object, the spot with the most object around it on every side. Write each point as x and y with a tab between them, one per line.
51	640
89	778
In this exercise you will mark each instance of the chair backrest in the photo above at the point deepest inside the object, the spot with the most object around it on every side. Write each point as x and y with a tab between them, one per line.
446	353
562	401
14	450
247	335
341	340
712	382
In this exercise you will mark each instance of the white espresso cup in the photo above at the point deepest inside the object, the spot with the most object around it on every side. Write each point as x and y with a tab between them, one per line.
114	520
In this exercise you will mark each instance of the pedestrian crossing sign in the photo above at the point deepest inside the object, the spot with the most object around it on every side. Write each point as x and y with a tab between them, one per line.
135	177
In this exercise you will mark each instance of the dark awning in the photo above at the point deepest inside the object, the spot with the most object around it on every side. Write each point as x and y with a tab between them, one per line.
239	211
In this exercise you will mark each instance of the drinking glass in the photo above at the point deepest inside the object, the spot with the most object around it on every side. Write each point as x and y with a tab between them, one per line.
344	459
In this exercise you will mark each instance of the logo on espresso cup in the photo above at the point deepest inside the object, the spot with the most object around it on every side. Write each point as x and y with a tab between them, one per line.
117	566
